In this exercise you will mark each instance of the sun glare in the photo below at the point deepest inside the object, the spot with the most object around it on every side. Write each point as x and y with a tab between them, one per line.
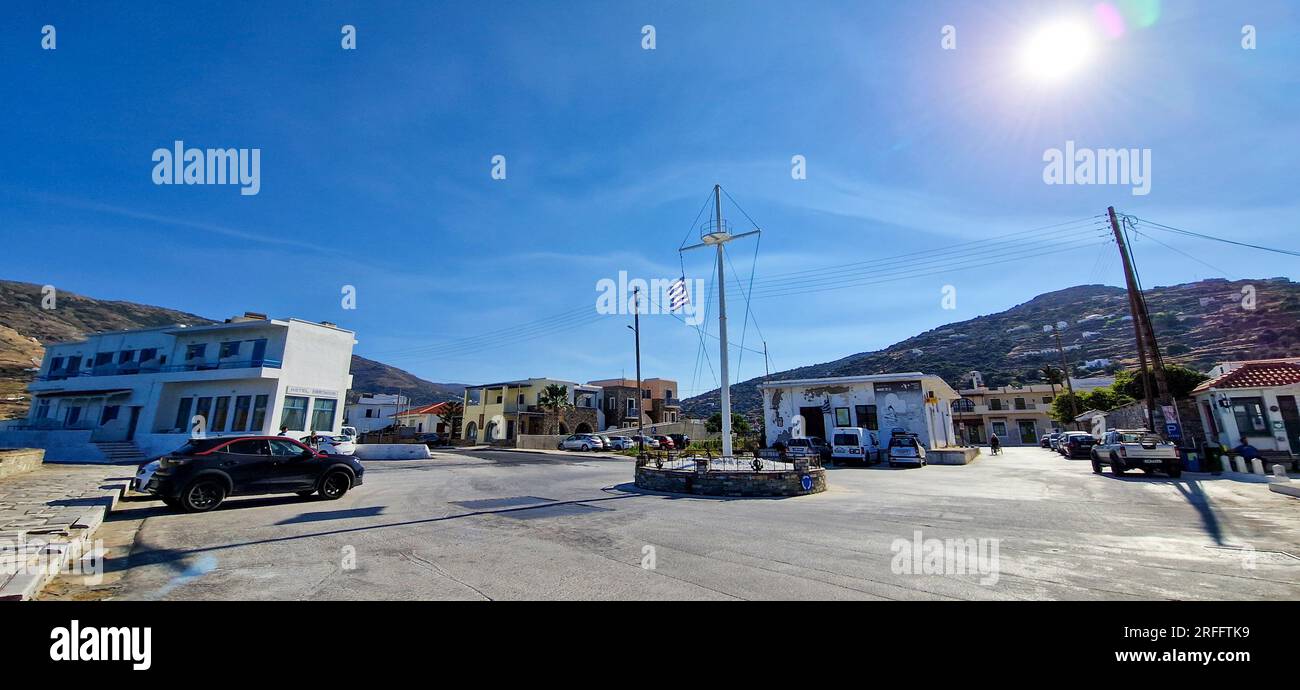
1057	50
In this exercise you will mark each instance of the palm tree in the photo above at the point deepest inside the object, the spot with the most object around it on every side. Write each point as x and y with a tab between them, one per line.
554	398
452	411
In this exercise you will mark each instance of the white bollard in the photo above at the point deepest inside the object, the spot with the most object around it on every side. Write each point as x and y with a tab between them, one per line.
1257	466
1238	463
1279	473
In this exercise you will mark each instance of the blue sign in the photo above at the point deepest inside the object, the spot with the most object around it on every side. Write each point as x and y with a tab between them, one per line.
1174	431
806	481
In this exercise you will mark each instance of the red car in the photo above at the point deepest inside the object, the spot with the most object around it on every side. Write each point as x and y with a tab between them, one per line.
664	442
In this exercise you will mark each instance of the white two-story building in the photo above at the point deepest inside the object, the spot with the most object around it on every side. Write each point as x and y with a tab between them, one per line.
148	390
881	403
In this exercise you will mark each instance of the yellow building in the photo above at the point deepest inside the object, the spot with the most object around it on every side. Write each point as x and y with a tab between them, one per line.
501	411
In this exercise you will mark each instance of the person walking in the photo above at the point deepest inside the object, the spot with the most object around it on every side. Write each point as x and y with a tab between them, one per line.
995	444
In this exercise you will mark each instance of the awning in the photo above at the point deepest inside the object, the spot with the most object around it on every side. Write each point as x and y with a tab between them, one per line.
101	393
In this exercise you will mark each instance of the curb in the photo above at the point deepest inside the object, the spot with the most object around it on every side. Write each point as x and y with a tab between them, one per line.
556	453
25	585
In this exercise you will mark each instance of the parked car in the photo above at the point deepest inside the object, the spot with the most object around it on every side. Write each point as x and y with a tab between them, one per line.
854	445
1076	444
812	445
906	449
198	476
1055	440
1128	449
432	439
681	441
650	442
335	445
665	442
583	442
1045	441
621	443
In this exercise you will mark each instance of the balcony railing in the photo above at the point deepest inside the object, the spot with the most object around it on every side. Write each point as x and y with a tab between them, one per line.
127	370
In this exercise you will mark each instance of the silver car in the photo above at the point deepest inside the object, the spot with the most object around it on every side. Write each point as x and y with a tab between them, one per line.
583	442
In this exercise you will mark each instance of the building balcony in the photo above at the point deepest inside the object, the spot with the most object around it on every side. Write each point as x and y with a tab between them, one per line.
111	375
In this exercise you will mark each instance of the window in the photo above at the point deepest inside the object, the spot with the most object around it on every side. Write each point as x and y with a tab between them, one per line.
219	414
294	415
74	364
668	394
520	399
842	416
510	429
183	413
56	364
285	449
203	408
846	439
240	422
1250	416
230	349
259	414
1047	399
195	351
249	447
108	415
1020	403
102	358
1000	428
259	351
148	353
498	398
72	416
995	404
645	393
867	417
125	356
322	414
43	410
370	412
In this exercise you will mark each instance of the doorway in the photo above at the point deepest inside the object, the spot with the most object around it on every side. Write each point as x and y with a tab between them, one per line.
814	424
1028	432
130	426
1291	420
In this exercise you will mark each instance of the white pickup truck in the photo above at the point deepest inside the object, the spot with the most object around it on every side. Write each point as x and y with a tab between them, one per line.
1135	449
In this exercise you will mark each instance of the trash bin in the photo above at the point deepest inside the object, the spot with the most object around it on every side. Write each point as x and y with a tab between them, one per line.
1191	459
1212	458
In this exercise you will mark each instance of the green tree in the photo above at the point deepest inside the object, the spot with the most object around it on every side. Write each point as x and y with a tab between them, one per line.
1066	406
1182	380
739	425
554	398
452	412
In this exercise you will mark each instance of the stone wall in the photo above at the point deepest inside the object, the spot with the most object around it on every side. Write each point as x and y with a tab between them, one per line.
538	441
18	460
730	483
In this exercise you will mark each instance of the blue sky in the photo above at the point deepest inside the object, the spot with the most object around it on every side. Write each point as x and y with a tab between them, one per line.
375	164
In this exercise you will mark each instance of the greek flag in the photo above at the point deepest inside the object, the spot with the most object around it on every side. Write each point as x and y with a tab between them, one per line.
677	295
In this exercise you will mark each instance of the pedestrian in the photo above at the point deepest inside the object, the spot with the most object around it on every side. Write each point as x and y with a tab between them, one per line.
284	430
994	444
1245	450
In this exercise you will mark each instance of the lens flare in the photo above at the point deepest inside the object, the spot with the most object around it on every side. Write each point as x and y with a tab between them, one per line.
1057	50
1110	19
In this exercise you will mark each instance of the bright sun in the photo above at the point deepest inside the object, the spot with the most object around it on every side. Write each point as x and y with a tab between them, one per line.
1057	50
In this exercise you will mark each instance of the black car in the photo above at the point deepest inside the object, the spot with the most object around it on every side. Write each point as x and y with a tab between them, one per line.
680	441
198	476
1077	444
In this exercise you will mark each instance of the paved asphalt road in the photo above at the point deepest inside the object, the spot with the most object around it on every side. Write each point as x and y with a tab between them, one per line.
504	525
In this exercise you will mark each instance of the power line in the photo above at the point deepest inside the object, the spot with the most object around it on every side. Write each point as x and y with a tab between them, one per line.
1287	252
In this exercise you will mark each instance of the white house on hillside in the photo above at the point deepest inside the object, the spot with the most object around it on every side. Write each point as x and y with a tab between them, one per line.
150	388
374	411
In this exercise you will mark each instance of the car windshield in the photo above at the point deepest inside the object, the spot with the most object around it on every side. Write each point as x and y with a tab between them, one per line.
799	442
1137	437
846	439
199	445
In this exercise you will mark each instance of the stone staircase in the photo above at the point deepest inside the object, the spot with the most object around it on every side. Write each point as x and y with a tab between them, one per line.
120	451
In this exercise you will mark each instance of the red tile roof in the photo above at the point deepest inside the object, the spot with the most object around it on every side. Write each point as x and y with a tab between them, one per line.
1257	374
435	408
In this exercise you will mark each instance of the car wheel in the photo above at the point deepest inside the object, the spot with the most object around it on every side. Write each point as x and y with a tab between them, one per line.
585	447
1117	466
1096	465
559	446
334	484
202	494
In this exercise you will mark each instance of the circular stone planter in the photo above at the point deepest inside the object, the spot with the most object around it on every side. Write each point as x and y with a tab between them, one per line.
732	483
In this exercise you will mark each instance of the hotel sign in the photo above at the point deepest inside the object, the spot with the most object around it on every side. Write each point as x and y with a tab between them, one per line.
314	392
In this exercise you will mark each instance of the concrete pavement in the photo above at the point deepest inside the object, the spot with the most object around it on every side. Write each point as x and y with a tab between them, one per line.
506	525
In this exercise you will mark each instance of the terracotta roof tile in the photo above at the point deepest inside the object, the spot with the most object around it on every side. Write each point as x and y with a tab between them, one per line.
1260	374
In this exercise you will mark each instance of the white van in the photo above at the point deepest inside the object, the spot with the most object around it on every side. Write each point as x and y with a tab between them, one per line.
852	444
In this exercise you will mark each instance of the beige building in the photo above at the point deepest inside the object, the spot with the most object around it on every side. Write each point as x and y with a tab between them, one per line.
657	403
499	412
1019	416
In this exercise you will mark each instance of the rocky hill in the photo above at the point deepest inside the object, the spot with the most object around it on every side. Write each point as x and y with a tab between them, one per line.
1197	324
26	327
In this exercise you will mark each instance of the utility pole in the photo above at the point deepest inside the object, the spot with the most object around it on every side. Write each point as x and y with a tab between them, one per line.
636	319
1143	331
718	234
1065	372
